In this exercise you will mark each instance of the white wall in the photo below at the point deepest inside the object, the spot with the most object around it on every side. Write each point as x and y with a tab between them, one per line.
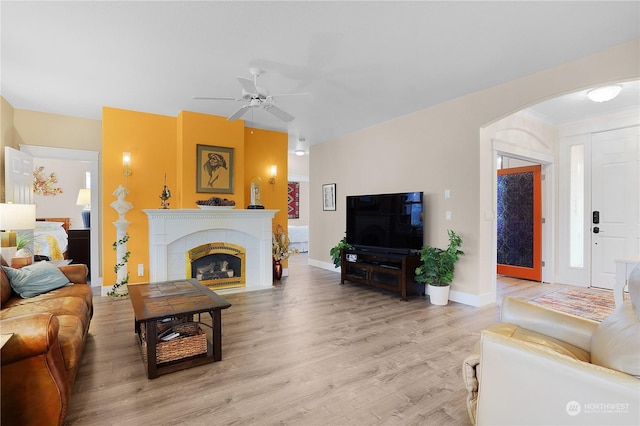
441	148
71	177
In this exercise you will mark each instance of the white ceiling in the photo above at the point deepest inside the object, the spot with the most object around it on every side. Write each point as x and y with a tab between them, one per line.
362	62
576	106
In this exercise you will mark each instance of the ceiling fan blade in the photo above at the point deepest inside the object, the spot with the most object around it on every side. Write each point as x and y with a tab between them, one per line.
248	85
284	116
208	98
279	95
238	113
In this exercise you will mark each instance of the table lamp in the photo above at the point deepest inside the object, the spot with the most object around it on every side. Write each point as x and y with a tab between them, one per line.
84	199
14	217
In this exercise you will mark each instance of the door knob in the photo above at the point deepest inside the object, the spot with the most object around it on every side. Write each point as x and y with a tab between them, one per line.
596	230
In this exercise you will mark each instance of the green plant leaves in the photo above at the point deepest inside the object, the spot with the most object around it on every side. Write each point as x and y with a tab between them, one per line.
437	264
335	251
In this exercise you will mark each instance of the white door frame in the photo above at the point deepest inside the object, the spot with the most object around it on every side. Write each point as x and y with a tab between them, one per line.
548	196
579	133
93	158
615	192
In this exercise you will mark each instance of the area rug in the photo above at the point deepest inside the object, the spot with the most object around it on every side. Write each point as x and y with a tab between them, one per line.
583	302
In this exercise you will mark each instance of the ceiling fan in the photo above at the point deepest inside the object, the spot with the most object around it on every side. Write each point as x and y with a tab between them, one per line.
256	97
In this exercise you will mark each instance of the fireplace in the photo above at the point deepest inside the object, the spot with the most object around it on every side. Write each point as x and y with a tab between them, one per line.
174	233
217	265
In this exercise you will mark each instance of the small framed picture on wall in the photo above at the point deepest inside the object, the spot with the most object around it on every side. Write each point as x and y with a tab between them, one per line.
329	197
214	169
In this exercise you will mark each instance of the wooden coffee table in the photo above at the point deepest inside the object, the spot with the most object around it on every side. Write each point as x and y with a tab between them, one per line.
154	302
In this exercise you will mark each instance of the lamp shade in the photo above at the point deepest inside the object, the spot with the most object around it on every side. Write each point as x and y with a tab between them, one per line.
84	197
15	217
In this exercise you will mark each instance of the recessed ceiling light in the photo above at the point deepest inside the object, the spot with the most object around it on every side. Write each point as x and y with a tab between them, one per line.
300	152
605	93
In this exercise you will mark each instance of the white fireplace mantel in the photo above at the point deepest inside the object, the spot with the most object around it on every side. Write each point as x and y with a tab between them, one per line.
173	232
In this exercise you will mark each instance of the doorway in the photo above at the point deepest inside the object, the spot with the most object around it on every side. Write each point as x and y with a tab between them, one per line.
92	159
599	198
519	222
615	201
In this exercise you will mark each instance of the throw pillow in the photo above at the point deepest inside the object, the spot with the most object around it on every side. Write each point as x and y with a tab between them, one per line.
615	342
35	279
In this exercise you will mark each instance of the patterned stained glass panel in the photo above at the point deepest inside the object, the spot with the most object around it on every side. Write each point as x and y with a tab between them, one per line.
515	219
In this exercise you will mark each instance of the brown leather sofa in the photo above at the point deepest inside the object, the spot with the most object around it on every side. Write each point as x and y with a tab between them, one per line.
543	367
40	360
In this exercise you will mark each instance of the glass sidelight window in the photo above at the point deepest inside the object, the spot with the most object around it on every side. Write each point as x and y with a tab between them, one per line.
576	214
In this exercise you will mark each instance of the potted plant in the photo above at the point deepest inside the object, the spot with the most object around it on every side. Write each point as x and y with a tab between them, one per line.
437	268
22	242
280	249
23	255
335	251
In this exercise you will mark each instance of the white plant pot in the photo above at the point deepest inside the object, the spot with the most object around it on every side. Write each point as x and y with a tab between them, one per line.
439	295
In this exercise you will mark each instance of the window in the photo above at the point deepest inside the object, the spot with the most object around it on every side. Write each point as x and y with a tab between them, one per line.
576	207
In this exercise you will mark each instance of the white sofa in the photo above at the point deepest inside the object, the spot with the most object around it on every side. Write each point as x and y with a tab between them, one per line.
543	367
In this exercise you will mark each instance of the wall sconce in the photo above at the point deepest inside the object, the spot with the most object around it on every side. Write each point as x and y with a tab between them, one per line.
126	162
274	173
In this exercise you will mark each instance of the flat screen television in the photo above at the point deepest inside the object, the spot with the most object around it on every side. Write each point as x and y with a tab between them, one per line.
386	222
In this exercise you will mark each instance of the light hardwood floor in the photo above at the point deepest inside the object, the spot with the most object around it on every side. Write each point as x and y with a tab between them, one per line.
306	352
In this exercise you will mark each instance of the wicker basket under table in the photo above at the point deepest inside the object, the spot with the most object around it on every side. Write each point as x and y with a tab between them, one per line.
191	342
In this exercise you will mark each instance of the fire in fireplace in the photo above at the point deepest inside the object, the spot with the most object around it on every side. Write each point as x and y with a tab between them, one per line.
217	265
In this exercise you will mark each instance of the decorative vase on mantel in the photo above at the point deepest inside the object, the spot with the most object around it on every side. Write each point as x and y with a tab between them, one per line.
277	270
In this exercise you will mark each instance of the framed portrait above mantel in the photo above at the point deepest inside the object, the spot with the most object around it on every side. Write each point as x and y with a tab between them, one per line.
329	197
214	169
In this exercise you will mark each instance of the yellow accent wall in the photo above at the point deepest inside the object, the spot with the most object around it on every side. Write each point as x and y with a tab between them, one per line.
265	148
162	144
202	129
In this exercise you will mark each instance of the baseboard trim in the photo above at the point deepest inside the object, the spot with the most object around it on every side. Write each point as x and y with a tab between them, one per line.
472	299
324	265
454	296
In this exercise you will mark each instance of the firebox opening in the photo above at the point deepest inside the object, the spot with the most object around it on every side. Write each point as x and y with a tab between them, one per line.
217	265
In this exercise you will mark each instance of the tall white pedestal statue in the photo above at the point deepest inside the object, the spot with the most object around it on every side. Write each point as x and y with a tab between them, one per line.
122	206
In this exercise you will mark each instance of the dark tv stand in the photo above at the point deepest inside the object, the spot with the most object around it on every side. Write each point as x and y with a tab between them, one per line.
390	271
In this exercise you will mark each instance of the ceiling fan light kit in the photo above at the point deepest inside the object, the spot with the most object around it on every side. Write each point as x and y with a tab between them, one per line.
257	97
604	93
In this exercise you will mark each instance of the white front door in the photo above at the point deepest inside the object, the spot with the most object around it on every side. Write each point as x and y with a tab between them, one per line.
18	178
615	202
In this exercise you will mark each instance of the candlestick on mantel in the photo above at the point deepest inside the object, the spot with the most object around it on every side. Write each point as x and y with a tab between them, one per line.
165	195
